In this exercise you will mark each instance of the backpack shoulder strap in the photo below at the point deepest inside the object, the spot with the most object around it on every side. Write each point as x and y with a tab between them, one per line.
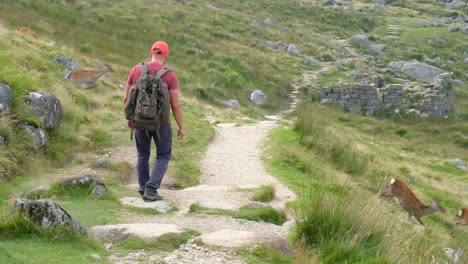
143	70
162	71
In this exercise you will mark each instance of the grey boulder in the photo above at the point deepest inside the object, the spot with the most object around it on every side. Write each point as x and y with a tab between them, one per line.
47	107
47	214
38	135
417	70
66	63
258	97
360	40
5	98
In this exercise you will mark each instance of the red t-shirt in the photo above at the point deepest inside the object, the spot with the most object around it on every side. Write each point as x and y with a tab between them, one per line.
169	77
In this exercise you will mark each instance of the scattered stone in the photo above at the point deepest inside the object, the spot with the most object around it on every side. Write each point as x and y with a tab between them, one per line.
5	98
99	190
465	30
377	48
96	257
455	28
435	60
413	112
311	61
212	7
47	107
269	21
454	4
38	135
293	50
36	191
422	24
281	245
102	162
329	3
231	103
258	97
47	214
280	45
256	23
459	163
98	64
160	206
457	82
122	87
412	181
420	40
437	22
229	238
66	63
415	69
2	140
439	39
146	231
85	179
360	40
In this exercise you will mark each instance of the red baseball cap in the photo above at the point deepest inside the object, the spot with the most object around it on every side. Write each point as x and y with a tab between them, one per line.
159	47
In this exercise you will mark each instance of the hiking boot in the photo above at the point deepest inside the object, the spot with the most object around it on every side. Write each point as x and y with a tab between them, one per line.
151	195
141	192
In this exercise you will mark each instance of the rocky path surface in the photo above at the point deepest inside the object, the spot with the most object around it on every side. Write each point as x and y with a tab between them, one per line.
231	171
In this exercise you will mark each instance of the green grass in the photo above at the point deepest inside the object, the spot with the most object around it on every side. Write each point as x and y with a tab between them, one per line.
335	224
265	193
263	254
267	214
166	243
57	245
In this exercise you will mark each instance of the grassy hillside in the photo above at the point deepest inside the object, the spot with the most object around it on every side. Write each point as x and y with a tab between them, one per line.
337	161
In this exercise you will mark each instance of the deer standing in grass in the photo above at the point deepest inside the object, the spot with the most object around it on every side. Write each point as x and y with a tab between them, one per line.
406	199
87	78
463	215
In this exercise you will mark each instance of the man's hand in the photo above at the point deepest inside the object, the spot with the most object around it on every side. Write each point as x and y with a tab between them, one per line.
180	133
129	124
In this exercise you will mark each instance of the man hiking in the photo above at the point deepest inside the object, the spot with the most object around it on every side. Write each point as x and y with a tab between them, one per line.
142	97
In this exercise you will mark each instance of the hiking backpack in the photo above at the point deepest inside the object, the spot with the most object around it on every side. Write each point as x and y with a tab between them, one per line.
148	103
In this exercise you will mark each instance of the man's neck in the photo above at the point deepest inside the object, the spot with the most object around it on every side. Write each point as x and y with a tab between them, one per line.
158	60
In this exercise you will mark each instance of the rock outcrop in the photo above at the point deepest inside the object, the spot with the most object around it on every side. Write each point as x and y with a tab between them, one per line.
38	135
47	107
5	98
258	97
47	214
417	70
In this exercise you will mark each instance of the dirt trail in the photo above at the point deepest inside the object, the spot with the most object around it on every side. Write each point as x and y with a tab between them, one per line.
231	170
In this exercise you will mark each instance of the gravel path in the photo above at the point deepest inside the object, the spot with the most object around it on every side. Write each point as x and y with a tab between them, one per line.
231	171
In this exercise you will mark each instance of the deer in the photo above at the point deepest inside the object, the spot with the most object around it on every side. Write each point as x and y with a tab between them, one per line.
28	31
406	199
87	78
463	216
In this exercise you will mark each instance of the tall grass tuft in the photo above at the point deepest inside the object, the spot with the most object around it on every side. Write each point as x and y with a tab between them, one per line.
318	134
266	193
342	227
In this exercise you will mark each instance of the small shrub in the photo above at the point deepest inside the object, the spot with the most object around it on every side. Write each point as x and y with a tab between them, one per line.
86	48
401	132
264	194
